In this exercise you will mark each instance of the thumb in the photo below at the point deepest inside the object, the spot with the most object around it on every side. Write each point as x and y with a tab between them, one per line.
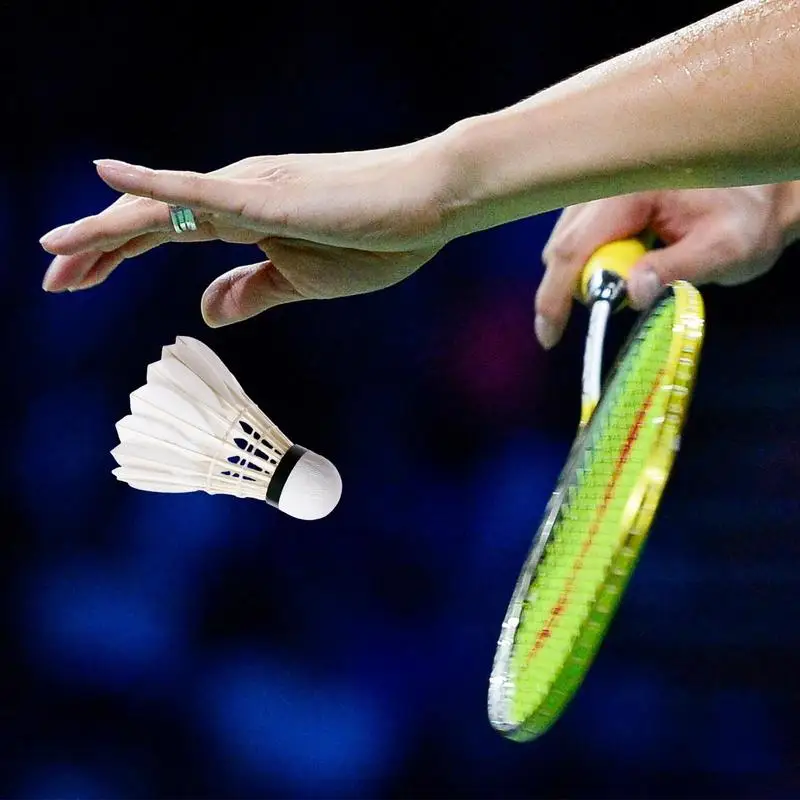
695	258
244	292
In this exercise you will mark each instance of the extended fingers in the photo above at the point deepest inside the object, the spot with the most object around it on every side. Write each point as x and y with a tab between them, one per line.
82	270
108	230
108	262
213	193
65	272
148	212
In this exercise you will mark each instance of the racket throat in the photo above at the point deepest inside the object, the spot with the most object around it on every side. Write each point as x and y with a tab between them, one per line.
593	359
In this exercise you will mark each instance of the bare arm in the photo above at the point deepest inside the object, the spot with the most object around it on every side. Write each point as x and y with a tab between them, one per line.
715	104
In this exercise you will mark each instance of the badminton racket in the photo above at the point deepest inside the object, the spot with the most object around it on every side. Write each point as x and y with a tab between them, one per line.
601	510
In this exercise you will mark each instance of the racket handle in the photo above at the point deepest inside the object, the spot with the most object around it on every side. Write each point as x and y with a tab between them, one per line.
605	273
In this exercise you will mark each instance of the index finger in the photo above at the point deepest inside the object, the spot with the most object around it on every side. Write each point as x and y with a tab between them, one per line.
580	232
155	191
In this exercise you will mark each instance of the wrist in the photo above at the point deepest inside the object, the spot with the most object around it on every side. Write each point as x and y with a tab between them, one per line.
596	135
534	157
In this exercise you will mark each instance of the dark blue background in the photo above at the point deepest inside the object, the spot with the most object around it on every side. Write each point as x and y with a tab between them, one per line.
196	646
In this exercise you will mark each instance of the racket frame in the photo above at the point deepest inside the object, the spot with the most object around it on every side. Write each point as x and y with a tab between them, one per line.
682	359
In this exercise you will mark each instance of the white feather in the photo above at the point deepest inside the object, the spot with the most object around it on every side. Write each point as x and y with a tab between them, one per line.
192	428
185	432
208	366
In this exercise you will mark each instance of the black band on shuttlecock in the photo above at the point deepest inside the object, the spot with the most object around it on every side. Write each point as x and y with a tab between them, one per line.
281	474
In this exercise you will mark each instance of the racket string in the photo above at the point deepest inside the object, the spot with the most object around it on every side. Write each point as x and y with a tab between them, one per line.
574	564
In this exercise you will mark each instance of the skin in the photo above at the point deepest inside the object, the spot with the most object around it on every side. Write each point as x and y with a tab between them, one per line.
725	236
656	122
341	245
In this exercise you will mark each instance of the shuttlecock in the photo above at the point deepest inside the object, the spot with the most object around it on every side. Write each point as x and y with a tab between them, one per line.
192	428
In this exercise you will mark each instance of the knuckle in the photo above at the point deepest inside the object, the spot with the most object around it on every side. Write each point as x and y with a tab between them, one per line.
277	172
732	245
560	250
193	182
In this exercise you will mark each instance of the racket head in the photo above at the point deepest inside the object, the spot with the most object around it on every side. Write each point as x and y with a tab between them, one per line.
597	519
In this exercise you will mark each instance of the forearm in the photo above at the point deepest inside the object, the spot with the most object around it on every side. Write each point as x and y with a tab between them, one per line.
715	104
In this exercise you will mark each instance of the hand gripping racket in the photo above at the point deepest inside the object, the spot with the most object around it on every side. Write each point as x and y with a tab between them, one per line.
598	517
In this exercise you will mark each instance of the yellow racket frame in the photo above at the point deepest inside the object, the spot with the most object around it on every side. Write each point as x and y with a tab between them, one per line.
676	378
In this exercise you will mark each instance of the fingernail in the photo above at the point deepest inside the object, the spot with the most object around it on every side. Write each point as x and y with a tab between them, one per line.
121	167
210	321
214	322
51	237
54	280
213	317
546	332
644	286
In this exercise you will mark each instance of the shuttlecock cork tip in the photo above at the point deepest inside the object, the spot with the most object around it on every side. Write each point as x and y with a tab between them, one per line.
305	485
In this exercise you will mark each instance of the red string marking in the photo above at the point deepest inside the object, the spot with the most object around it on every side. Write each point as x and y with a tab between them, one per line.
562	603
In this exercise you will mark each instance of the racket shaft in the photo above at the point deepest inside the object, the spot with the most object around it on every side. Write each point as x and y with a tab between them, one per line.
593	359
